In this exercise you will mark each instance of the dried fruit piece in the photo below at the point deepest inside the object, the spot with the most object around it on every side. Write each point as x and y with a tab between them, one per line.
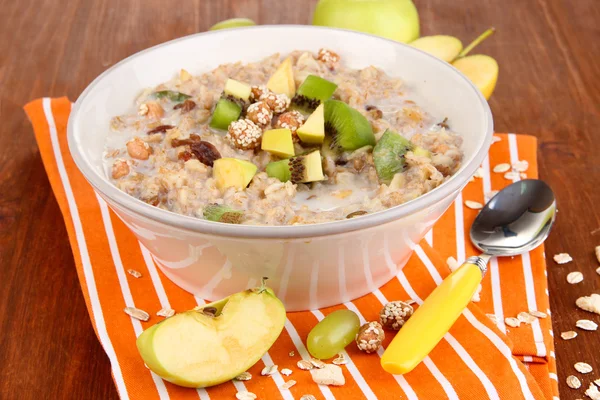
568	335
165	312
205	152
562	258
513	322
356	214
288	384
574	277
573	382
330	374
244	376
160	129
583	368
589	303
187	141
473	205
186	106
269	370
305	365
369	337
526	318
586	324
394	314
137	313
500	168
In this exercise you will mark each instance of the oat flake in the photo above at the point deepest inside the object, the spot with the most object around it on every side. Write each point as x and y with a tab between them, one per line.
562	258
165	312
512	175
589	303
496	139
538	314
511	321
597	382
317	363
592	392
134	273
500	168
288	384
286	371
598	270
478	173
583	368
573	382
308	397
245	395
526	318
137	313
493	318
574	277
520	166
452	263
305	365
340	359
291	353
473	205
244	376
269	370
568	335
586	324
597	251
489	195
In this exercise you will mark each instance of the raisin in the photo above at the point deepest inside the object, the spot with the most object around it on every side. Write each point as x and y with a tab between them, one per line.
160	129
205	152
184	155
186	106
182	142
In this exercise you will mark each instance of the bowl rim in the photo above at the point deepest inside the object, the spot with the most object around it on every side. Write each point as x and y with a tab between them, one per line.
102	185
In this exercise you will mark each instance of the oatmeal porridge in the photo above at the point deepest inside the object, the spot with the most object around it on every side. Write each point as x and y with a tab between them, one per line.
294	139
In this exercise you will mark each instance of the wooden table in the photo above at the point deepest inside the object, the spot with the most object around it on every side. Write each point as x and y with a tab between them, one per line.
548	51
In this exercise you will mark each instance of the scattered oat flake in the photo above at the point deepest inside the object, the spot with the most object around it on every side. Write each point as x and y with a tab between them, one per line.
269	370
452	263
589	303
583	368
305	365
512	175
244	376
496	139
473	205
520	166
574	277
134	273
597	251
586	324
538	314
478	173
317	363
288	384
562	258
500	168
573	382
329	375
137	313
523	175
308	397
286	371
245	395
165	312
598	270
511	321
568	335
592	392
411	301
291	353
489	195
526	318
340	359
492	317
597	382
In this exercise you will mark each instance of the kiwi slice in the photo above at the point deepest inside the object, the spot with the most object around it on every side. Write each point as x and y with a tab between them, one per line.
222	213
176	97
304	168
389	155
225	113
349	129
312	92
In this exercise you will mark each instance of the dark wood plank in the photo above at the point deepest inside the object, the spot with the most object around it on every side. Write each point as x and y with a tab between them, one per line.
549	87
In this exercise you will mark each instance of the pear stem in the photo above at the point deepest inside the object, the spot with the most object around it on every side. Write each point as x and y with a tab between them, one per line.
263	284
476	42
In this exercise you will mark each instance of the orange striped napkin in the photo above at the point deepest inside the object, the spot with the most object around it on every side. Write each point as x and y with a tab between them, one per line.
478	359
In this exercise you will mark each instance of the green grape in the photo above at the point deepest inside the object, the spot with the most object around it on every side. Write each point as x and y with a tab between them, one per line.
331	335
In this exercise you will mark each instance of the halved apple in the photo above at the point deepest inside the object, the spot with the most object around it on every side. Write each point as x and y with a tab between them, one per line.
197	349
282	81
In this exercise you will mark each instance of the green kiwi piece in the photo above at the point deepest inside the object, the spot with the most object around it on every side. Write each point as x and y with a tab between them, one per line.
222	213
176	97
279	169
389	155
312	92
349	129
225	113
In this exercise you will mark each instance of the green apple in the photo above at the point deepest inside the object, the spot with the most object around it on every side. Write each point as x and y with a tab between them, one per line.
232	23
199	349
393	19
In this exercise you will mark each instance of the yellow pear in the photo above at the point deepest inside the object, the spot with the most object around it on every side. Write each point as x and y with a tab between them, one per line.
482	70
444	47
282	81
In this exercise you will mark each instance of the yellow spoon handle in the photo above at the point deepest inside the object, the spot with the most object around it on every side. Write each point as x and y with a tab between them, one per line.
433	319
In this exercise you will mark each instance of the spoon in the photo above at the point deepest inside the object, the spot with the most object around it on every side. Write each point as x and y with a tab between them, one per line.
516	220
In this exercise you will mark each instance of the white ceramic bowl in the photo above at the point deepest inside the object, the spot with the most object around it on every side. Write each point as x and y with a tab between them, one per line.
308	266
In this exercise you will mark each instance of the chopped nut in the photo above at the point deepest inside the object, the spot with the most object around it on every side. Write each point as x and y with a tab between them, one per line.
592	392
134	273
288	384
278	103
568	335
538	314
245	395
574	277
330	374
244	376
500	168
369	337
512	175
317	363
328	57
143	110
520	166
473	205
120	169
583	368
244	134
137	313
341	359
155	111
589	303
260	113
394	314
513	322
305	365
286	371
138	149
586	325
526	318
291	120
269	370
573	382
562	258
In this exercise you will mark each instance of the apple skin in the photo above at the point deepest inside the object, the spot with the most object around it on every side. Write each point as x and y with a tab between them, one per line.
392	19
